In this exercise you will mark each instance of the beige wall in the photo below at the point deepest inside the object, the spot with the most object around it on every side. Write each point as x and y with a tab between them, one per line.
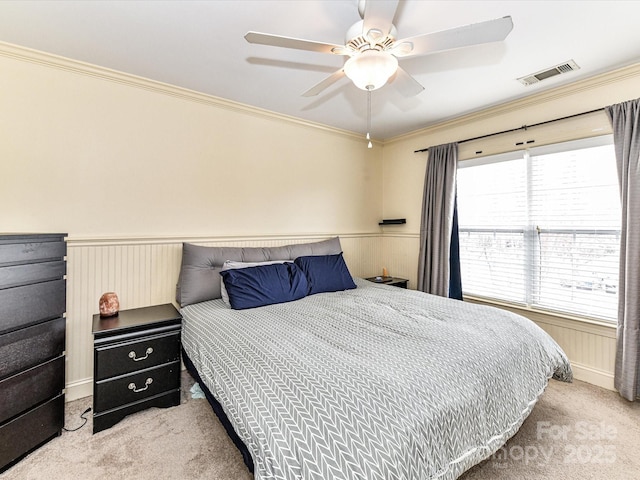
93	153
589	345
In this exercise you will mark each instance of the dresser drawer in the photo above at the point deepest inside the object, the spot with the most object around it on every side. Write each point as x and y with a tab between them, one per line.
17	275
137	386
31	346
15	249
126	357
31	387
29	304
28	431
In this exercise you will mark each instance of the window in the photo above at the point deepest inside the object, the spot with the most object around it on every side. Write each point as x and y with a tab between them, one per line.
541	227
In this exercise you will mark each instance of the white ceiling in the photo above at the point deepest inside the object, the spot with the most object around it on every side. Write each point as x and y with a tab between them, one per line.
199	45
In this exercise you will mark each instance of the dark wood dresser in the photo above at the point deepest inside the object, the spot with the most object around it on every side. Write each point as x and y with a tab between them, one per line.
136	362
32	342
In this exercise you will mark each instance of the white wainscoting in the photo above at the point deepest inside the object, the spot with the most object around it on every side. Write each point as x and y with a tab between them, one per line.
400	252
144	271
590	346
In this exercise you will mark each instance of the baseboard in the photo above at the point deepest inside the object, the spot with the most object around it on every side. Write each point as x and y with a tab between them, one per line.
594	376
79	389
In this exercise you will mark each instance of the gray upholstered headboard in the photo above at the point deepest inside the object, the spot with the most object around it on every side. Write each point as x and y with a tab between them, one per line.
199	278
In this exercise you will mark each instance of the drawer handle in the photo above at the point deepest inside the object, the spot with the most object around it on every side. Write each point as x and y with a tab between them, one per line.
132	355
148	381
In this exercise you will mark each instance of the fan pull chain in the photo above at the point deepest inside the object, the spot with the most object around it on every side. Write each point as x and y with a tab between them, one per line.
369	145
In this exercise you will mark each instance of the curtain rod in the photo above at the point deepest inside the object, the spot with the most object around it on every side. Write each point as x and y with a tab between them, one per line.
524	127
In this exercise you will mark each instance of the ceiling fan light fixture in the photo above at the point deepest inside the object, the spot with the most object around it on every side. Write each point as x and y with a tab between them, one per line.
341	50
373	50
404	48
370	69
374	35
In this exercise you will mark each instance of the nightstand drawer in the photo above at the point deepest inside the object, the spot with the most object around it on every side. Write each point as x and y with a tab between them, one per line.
115	392
130	356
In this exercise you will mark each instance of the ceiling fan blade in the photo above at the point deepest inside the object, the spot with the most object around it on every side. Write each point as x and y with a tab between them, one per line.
406	84
378	15
477	33
326	83
297	43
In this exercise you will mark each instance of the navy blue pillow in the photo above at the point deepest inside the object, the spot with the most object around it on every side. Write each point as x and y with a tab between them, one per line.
326	273
264	285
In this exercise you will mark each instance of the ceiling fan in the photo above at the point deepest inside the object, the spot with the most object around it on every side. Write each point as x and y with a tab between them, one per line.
373	50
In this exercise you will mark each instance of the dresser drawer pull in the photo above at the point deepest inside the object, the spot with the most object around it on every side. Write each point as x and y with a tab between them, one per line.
132	386
132	355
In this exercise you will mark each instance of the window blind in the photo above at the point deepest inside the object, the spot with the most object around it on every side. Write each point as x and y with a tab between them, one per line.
492	202
541	227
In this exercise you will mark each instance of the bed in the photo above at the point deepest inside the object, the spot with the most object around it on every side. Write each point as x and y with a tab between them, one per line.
366	382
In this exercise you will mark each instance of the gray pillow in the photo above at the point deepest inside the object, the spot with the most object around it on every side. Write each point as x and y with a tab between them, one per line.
200	279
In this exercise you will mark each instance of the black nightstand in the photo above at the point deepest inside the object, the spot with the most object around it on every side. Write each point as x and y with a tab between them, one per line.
393	281
136	363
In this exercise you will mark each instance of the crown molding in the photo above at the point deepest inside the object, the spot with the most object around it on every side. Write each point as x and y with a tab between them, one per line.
57	62
538	99
102	241
50	60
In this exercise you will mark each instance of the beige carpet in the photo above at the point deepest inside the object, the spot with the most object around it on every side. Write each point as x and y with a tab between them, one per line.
577	431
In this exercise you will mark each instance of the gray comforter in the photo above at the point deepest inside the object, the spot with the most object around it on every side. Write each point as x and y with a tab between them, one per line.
372	383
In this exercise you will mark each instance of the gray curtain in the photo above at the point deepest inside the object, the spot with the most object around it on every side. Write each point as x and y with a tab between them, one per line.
625	119
437	219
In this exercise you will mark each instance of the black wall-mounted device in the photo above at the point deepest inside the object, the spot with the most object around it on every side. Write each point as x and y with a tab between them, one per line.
393	221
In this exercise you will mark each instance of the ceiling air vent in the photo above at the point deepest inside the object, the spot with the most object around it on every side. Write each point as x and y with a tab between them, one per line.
566	67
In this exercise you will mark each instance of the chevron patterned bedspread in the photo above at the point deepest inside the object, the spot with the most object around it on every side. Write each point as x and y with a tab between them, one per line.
372	383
